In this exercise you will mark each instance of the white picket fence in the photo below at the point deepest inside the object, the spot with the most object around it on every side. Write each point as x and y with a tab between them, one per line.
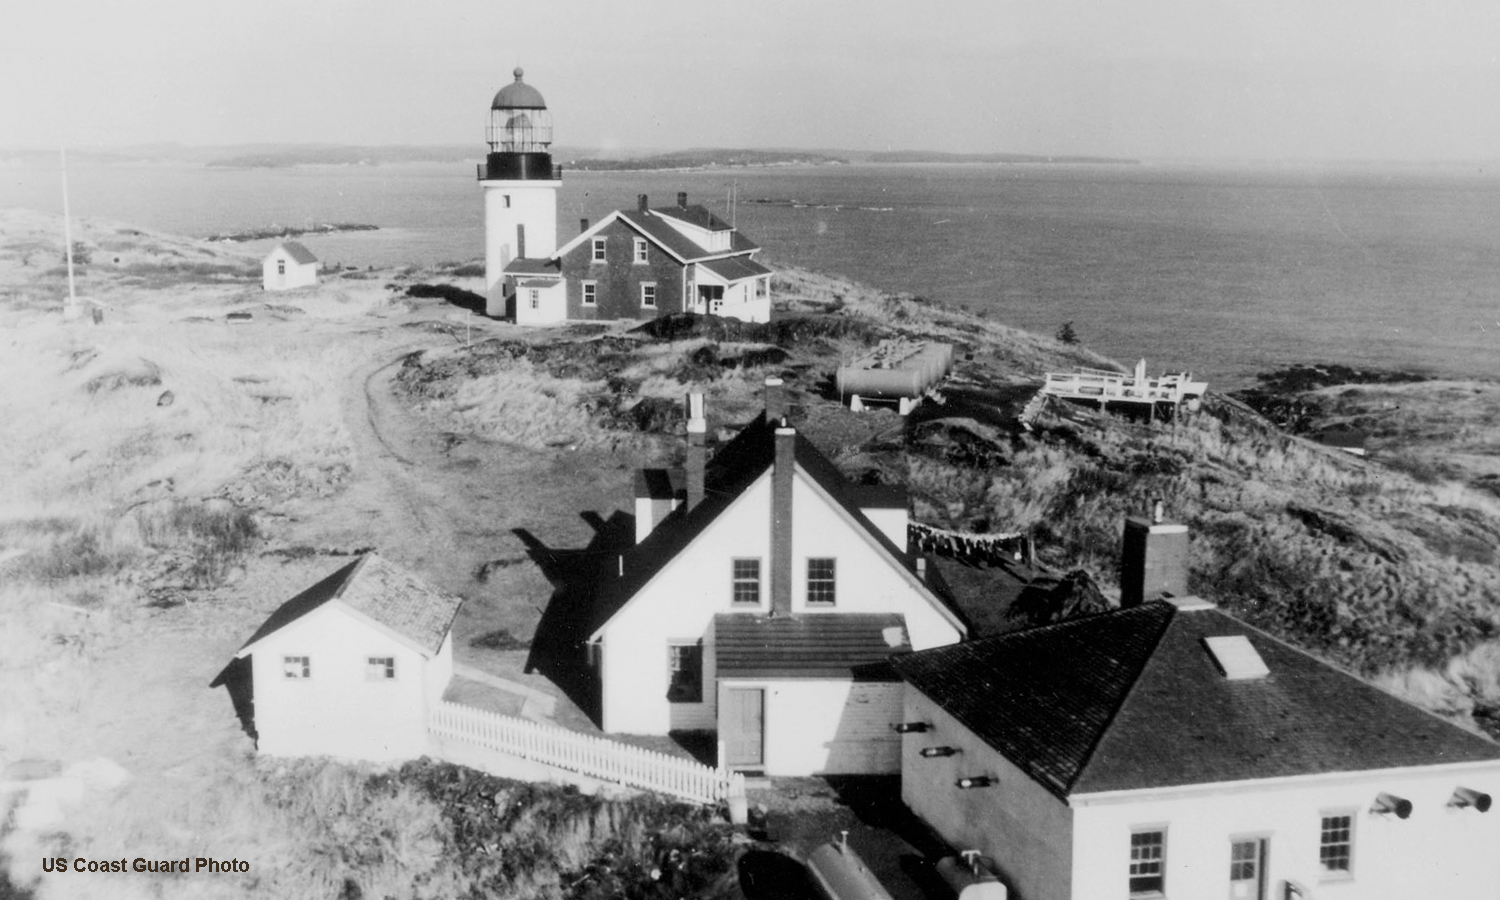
586	754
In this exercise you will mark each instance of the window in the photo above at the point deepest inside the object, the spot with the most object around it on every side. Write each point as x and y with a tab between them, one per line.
747	581
640	250
1147	861
820	582
380	668
1336	844
536	298
762	287
506	198
599	244
280	267
590	293
648	295
296	667
685	663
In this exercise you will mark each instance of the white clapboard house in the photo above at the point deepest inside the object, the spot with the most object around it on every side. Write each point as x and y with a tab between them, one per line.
762	601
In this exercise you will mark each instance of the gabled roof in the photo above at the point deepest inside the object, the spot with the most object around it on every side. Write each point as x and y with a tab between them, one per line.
297	252
696	215
381	591
813	645
1132	699
738	465
671	241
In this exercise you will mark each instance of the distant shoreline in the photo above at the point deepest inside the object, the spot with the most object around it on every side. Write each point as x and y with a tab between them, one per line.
273	232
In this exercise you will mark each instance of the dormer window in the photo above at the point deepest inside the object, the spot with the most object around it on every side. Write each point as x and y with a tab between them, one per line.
599	245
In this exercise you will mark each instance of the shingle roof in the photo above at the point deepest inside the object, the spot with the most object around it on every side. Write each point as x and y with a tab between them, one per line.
826	645
525	265
735	268
298	252
380	590
1131	699
694	215
736	466
678	243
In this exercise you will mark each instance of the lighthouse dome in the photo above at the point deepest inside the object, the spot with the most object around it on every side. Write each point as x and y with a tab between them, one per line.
519	95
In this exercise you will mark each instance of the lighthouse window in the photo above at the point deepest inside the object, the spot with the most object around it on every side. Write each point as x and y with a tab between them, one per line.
648	295
590	293
640	250
599	244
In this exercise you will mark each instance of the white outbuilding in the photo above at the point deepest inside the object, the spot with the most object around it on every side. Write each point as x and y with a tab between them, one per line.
289	265
348	668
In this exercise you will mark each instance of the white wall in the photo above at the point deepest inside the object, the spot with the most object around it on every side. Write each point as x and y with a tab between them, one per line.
533	204
891	522
1438	852
1018	823
297	274
828	727
680	603
337	711
552	305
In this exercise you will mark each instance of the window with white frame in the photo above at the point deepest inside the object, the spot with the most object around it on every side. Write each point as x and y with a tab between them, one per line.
648	295
1336	844
599	245
746	582
640	250
380	668
685	672
591	293
821	581
1148	860
297	667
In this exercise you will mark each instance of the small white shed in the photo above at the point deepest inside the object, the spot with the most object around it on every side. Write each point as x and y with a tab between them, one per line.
348	668
289	265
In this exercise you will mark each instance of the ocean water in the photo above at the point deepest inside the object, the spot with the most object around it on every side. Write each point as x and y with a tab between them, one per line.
1222	271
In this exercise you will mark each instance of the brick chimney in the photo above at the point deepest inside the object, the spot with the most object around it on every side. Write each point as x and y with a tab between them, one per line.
781	521
682	198
697	453
775	401
640	203
1153	559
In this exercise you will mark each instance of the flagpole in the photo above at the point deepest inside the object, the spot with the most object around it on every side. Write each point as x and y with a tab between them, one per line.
67	229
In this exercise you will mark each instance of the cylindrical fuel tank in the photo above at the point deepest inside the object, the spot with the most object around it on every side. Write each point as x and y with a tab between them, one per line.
971	881
840	874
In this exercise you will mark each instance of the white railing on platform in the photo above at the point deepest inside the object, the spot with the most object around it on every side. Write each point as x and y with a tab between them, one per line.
596	757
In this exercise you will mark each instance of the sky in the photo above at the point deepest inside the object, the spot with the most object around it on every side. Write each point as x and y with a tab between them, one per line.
1157	79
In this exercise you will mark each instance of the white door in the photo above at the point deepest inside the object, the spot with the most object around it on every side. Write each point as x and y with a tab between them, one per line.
1247	869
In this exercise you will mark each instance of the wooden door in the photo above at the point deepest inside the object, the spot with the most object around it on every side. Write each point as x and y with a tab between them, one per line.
1247	869
743	727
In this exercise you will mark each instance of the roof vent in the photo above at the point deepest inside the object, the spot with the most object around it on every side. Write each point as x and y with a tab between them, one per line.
1236	657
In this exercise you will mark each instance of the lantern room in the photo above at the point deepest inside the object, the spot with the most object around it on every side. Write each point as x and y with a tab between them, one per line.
519	135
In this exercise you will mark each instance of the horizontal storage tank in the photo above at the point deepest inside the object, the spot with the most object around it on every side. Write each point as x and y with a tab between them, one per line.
840	874
896	369
971	879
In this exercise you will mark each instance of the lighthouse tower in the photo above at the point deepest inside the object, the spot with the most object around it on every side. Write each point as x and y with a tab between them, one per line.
520	186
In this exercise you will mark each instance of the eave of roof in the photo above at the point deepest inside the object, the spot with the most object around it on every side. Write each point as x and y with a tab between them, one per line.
526	265
735	268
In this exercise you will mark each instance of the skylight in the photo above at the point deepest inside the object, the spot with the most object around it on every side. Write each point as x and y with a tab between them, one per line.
1236	658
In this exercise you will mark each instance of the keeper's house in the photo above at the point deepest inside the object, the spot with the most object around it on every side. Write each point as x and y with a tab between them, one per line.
762	602
1166	749
644	263
349	667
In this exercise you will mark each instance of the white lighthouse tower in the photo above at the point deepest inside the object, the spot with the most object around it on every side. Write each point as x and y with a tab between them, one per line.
520	186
